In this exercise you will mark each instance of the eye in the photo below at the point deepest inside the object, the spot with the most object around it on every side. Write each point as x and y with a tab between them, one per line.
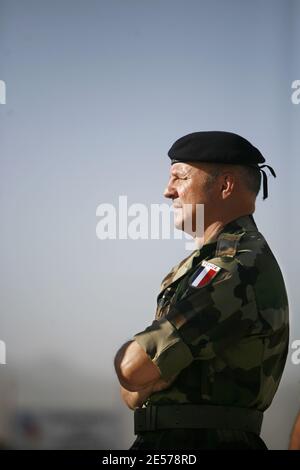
181	178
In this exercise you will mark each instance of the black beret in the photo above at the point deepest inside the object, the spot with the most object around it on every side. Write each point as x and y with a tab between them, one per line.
219	147
215	147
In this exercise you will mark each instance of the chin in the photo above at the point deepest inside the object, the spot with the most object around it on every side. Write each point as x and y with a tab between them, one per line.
178	223
178	226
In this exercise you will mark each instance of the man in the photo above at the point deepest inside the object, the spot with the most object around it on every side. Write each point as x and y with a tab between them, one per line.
201	375
295	436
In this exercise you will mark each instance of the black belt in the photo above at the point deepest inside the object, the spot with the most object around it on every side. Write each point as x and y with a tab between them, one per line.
188	416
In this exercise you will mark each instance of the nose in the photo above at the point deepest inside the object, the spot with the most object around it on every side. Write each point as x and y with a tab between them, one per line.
170	192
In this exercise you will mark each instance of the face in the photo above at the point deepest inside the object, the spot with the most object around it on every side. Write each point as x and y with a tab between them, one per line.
188	186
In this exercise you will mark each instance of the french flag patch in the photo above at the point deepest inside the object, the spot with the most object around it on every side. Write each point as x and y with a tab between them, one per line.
206	273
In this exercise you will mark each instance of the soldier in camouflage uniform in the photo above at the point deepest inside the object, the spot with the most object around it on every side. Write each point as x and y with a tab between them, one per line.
220	335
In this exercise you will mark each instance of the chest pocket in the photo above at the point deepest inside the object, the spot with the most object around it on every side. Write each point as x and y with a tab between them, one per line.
171	294
164	301
174	293
177	289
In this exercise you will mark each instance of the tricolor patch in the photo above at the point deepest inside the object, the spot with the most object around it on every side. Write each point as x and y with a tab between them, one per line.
206	273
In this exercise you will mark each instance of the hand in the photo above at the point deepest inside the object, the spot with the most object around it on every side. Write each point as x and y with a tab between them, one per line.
295	437
136	399
163	384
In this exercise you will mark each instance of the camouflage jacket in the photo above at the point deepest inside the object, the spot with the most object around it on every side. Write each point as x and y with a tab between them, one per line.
225	339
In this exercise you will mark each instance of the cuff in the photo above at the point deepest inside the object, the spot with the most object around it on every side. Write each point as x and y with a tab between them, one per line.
164	346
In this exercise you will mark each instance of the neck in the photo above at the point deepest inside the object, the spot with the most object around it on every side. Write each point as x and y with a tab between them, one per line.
210	234
213	228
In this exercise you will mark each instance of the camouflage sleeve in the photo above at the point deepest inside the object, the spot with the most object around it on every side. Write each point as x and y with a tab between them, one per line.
204	321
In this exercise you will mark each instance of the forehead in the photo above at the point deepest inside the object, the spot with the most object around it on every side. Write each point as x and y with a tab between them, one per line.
182	169
179	168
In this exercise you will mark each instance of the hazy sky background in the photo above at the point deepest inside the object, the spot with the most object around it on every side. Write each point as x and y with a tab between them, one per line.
97	92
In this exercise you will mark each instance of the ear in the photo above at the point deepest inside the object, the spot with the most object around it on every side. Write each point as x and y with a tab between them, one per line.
228	183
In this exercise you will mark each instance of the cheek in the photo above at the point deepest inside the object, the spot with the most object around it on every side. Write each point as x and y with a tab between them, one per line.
181	193
185	192
196	195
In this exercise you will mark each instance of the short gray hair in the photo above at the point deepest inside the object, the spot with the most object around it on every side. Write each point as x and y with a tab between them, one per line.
250	176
